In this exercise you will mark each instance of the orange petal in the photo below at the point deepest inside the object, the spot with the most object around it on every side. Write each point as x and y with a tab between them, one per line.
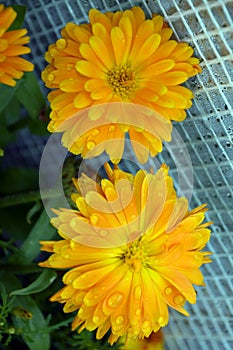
82	100
89	69
101	51
173	78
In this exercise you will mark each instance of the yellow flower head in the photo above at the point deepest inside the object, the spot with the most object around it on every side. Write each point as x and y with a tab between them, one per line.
11	47
132	249
119	57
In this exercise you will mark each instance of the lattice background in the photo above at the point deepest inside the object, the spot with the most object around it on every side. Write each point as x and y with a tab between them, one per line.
207	132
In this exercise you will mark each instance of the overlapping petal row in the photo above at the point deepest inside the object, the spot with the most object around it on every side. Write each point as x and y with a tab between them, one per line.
132	249
11	47
119	57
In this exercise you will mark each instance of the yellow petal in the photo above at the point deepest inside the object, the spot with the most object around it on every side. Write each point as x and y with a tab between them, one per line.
101	51
93	84
172	78
148	47
89	69
72	85
157	68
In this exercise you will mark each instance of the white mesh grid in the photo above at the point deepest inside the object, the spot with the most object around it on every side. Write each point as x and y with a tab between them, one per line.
207	133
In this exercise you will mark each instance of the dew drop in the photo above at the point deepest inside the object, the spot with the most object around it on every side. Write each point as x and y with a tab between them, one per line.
145	325
114	300
111	128
179	299
103	233
50	77
95	132
168	290
120	319
69	66
198	257
138	312
81	312
94	219
161	321
53	52
61	44
91	145
137	292
67	256
95	319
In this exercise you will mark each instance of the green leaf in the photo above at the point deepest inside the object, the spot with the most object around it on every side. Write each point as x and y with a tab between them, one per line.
38	127
5	135
15	180
30	95
36	207
30	249
41	283
18	22
34	330
12	112
18	227
6	93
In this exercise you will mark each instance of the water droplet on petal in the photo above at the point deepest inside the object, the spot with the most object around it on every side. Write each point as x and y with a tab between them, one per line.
137	292
138	312
95	319
53	52
168	290
111	128
95	132
145	325
50	77
198	257
61	44
179	299
162	321
67	256
91	145
69	66
94	219
103	233
114	300
80	312
120	319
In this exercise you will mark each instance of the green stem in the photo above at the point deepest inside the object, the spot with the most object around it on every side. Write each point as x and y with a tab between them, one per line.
25	197
20	268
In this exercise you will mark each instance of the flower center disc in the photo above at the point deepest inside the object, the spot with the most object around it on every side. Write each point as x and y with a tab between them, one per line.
135	256
120	79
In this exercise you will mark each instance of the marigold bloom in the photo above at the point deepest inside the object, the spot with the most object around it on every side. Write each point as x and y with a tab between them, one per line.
119	57
126	283
11	47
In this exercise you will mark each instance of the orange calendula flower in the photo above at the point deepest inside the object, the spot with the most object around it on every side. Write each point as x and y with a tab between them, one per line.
132	249
11	47
119	57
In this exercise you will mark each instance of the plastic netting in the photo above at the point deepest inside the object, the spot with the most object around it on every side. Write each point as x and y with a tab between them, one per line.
207	133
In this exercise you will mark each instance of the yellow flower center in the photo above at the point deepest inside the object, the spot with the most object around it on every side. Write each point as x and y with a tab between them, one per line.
135	256
120	79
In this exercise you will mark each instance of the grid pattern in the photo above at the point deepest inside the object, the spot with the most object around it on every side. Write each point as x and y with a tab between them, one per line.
207	132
